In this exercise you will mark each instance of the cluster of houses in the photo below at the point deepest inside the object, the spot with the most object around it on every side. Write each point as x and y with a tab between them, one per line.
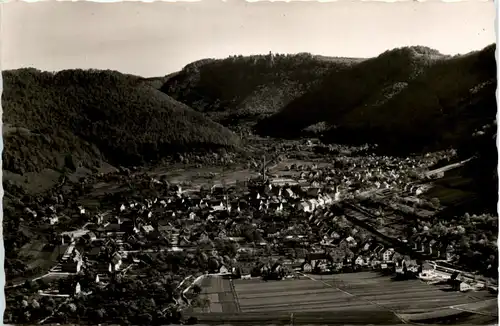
180	220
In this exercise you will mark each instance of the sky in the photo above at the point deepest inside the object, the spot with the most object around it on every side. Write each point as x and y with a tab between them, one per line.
154	39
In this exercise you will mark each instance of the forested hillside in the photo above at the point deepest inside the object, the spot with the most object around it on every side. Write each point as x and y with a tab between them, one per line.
407	99
78	117
242	90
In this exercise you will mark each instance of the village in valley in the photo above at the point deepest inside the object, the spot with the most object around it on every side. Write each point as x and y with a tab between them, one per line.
202	250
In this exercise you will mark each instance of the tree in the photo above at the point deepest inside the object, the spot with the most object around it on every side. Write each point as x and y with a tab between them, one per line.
146	319
213	264
197	289
28	285
435	203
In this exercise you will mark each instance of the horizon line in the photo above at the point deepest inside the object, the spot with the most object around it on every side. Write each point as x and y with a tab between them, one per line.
246	55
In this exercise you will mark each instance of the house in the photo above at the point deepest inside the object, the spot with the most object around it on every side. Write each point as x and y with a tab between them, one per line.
327	199
115	219
288	193
351	241
98	219
277	191
305	206
112	228
446	252
317	260
431	247
307	267
147	228
78	288
202	204
116	262
387	255
313	203
218	207
416	243
235	207
426	245
421	244
360	261
90	236
223	270
31	212
278	207
53	220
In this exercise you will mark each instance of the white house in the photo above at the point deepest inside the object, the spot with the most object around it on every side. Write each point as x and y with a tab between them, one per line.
78	288
147	228
307	268
327	199
223	270
314	203
116	262
387	255
360	261
219	207
305	206
53	220
289	193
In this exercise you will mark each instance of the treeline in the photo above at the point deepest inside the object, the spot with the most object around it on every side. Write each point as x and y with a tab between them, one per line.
93	115
249	87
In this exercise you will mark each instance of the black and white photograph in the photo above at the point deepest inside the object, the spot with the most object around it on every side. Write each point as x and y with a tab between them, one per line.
249	163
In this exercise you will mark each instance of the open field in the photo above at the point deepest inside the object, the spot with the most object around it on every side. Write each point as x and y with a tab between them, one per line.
221	295
207	176
449	196
39	254
364	297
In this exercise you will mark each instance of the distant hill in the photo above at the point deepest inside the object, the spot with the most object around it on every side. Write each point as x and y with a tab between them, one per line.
82	117
243	90
409	98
